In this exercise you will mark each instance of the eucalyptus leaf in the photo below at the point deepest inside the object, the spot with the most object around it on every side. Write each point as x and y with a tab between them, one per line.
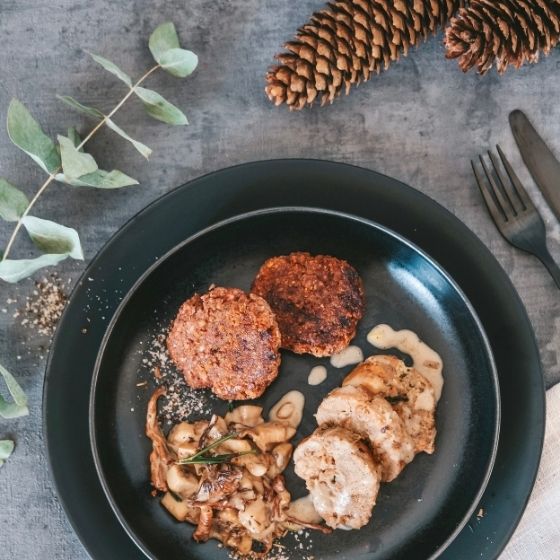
14	270
100	179
113	68
89	111
142	148
179	62
75	138
24	131
18	407
6	449
53	238
163	39
75	163
12	202
159	108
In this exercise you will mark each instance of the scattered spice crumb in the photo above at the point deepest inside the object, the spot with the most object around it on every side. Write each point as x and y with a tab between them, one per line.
142	384
181	401
480	513
44	307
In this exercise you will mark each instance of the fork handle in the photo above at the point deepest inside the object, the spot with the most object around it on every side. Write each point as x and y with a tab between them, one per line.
546	258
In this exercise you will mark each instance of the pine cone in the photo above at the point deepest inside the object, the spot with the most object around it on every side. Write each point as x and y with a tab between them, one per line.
502	32
347	42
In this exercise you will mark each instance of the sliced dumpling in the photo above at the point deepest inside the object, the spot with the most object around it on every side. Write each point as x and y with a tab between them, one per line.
410	393
341	476
373	419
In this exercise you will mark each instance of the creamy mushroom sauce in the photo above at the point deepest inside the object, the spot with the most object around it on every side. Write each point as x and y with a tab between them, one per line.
426	361
303	509
317	375
347	357
288	409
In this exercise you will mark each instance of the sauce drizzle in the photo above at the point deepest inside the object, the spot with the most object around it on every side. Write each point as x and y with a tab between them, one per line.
426	361
349	356
289	409
317	375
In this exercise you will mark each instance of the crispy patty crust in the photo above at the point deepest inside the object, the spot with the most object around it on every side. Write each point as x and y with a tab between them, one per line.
318	301
226	340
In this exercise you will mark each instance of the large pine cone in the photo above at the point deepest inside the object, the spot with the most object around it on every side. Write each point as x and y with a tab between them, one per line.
347	42
502	32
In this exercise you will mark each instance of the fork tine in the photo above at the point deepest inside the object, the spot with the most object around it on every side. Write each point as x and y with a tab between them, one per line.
518	187
495	211
509	192
497	192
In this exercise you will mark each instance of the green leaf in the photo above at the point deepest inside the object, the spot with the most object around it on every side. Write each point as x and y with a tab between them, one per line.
12	270
24	131
53	238
159	108
100	179
142	148
89	111
75	163
6	449
75	138
179	62
19	406
12	202
113	68
163	39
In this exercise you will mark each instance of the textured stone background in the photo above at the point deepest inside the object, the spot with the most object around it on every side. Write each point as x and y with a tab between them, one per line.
420	122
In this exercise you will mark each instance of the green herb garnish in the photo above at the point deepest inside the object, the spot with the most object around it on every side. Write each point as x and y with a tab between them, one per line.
202	457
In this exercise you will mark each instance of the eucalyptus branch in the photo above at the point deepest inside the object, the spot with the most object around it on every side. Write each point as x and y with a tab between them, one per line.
19	223
118	106
67	162
52	176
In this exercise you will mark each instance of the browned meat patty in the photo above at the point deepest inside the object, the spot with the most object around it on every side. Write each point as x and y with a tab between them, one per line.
226	340
317	300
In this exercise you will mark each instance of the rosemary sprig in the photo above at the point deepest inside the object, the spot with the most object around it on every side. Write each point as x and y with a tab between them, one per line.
214	459
201	457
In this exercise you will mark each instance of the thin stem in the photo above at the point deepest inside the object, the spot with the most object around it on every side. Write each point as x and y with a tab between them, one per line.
25	212
51	177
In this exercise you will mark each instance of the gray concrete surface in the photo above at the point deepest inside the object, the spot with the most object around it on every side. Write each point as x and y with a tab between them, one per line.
420	122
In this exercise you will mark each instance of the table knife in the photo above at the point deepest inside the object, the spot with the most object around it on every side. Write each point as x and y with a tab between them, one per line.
541	162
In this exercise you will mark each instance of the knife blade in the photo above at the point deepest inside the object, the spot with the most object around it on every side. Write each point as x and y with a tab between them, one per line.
541	162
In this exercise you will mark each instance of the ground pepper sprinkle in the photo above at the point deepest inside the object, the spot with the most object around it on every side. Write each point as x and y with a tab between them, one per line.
44	307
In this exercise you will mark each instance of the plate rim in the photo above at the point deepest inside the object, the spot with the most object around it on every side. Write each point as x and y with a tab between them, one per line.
58	481
273	211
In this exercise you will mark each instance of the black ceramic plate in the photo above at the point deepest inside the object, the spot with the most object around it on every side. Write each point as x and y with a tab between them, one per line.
233	191
417	514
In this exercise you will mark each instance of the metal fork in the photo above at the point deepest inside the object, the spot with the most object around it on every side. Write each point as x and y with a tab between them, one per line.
513	212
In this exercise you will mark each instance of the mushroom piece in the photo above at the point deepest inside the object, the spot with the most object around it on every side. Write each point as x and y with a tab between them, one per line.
161	456
267	435
181	510
182	482
281	454
218	483
257	465
247	415
204	526
183	438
